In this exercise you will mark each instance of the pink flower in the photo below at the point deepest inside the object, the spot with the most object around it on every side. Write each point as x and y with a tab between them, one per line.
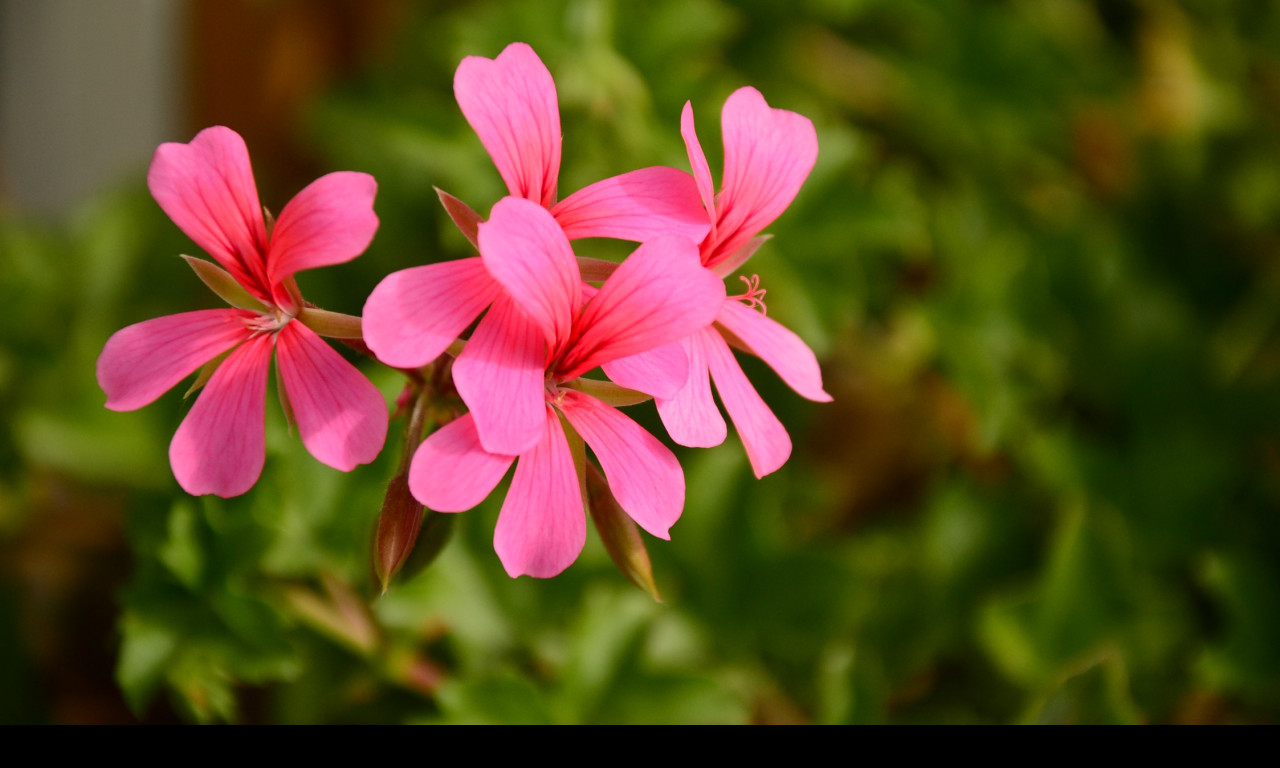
207	189
768	153
658	294
511	104
413	315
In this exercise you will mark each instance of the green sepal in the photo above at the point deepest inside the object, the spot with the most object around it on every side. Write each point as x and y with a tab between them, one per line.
578	450
740	256
334	325
284	397
466	220
222	283
206	372
608	392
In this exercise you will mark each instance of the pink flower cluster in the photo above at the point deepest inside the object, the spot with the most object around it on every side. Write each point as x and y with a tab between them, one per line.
660	324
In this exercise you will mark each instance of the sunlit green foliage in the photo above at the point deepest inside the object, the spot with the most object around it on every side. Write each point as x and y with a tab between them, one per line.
1038	259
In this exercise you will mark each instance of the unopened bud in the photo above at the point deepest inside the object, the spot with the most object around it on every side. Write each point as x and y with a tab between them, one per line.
410	537
619	533
398	528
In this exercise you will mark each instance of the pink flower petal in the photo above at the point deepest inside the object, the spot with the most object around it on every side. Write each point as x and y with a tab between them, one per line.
691	416
207	188
143	361
413	315
542	525
766	440
698	161
660	371
451	472
526	251
768	153
220	446
658	295
341	417
775	344
511	104
331	221
500	377
637	206
643	473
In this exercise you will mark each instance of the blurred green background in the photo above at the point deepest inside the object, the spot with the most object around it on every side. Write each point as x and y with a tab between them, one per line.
1038	262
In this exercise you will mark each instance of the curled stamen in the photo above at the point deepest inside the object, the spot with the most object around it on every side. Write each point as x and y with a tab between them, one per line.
754	297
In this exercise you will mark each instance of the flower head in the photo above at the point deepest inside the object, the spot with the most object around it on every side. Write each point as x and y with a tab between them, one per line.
414	315
657	295
207	189
768	153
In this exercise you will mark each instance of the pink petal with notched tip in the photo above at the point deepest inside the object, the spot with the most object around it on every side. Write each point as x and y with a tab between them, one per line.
767	443
643	473
636	206
500	377
207	188
698	161
145	360
413	315
331	221
660	371
542	525
768	153
511	104
691	416
775	344
451	472
341	417
220	446
525	250
659	294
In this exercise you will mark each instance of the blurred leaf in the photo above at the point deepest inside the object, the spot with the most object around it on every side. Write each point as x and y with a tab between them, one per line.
146	651
1097	694
1243	661
503	701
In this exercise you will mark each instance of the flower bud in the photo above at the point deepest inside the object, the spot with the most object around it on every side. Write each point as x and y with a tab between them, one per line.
398	528
619	533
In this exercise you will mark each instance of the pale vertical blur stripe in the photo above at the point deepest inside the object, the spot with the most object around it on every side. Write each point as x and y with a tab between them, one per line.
88	88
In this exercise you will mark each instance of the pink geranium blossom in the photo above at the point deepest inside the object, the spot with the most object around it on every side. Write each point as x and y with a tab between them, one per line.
207	188
415	314
511	104
768	153
658	294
